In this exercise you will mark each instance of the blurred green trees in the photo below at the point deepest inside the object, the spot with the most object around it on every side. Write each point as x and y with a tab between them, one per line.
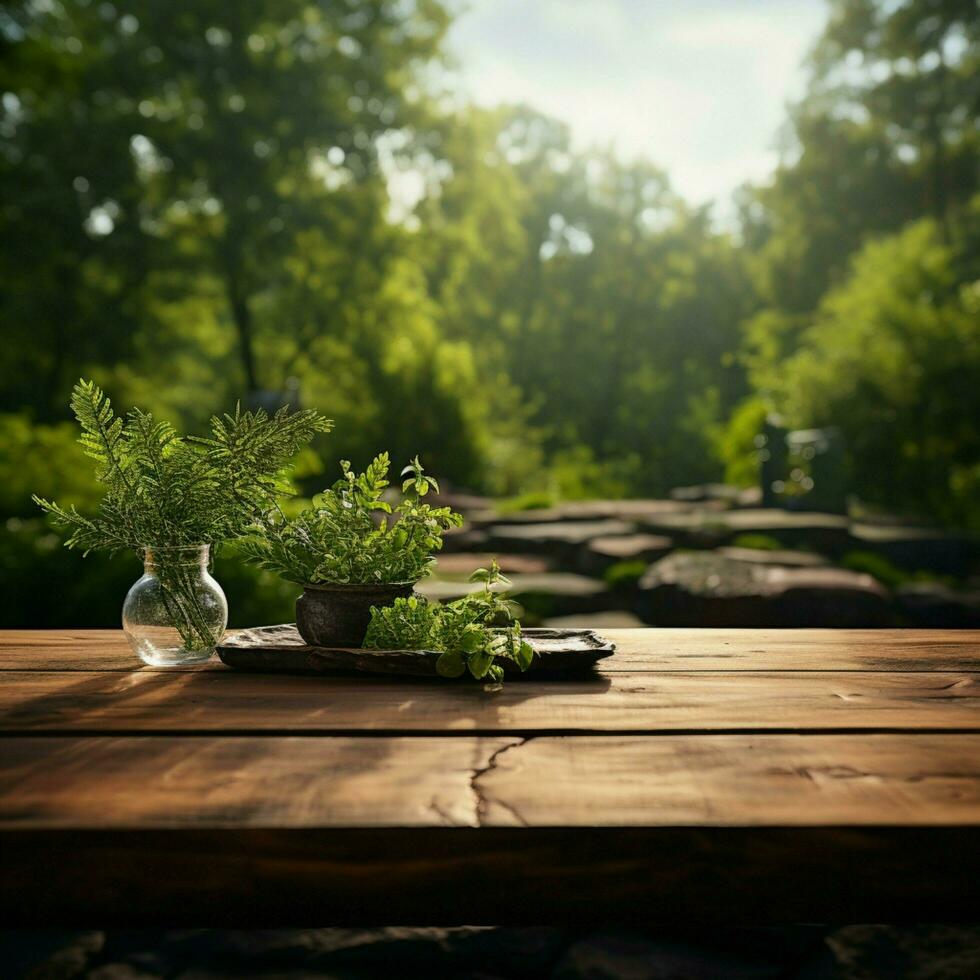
272	200
892	358
864	254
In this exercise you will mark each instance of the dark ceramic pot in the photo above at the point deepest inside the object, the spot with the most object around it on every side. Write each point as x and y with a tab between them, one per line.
338	615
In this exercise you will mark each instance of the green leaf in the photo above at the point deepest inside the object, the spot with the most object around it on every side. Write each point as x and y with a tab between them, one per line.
472	639
524	655
479	663
450	664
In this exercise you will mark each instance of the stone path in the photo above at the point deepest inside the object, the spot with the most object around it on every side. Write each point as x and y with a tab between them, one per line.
813	952
704	558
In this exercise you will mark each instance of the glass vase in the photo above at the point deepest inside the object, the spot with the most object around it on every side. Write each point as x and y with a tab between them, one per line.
176	613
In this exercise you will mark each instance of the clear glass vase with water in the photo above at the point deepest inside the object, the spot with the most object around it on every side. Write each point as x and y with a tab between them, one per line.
176	612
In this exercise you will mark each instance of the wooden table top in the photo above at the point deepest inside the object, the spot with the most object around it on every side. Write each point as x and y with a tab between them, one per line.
736	775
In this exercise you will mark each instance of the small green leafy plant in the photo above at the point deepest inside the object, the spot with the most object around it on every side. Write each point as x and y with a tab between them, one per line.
165	491
341	540
462	630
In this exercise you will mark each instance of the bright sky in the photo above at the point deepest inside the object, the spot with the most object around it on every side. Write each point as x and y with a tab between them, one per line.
697	86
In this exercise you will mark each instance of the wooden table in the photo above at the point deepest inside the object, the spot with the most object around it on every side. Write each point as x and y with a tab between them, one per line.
736	775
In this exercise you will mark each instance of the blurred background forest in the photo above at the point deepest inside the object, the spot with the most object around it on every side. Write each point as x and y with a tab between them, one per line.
280	200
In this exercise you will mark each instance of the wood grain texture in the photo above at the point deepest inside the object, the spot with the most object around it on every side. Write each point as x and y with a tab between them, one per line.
242	782
702	773
582	781
637	650
735	780
212	701
794	649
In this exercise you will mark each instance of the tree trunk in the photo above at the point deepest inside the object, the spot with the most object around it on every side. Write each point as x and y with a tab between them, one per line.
242	317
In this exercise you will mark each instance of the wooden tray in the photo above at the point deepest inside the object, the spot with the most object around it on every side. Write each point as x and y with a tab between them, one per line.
281	649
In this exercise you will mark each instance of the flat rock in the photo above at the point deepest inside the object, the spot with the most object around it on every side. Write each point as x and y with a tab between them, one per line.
922	952
749	497
464	563
600	510
760	556
465	502
465	538
934	605
625	956
564	584
705	589
826	533
915	548
614	619
541	596
706	491
600	553
703	527
305	954
560	540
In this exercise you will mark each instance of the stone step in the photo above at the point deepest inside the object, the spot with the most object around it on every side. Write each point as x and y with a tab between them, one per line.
760	556
603	552
464	563
541	595
918	548
613	620
561	541
936	606
705	589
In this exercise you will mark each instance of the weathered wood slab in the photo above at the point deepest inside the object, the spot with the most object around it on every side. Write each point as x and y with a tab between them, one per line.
892	650
301	831
727	775
660	650
233	702
501	781
280	649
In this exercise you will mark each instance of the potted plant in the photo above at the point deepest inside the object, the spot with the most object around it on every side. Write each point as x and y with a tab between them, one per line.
467	632
173	499
349	556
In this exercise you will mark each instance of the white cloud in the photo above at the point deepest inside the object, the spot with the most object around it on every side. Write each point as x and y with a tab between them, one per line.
697	86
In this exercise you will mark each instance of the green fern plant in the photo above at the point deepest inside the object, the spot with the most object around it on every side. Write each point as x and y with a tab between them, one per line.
464	631
165	491
346	536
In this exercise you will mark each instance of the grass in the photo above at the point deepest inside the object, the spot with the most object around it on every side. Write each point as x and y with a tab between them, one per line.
625	574
891	576
760	542
538	500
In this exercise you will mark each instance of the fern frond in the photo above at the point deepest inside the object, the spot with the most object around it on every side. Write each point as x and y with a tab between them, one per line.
102	431
162	489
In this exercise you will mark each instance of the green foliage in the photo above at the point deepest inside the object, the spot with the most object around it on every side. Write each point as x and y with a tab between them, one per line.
339	538
625	574
594	307
532	500
760	542
890	575
464	630
867	321
877	566
34	566
735	442
42	459
167	492
891	358
163	490
543	321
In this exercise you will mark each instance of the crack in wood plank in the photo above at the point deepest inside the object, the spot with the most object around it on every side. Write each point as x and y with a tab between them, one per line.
480	800
440	811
